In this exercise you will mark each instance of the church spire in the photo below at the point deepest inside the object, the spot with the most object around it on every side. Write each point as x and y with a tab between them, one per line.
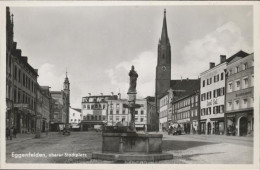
164	36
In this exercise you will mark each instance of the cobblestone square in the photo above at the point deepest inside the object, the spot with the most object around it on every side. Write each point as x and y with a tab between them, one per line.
78	148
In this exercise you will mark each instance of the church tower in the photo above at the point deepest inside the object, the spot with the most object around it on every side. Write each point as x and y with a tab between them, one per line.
66	89
163	68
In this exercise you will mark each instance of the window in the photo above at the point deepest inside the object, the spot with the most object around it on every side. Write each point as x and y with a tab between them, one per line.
203	83
230	87
245	83
142	112
84	106
252	80
209	110
236	104
237	85
136	119
117	118
111	112
73	114
229	105
117	106
236	69
87	106
100	117
15	72
222	76
117	112
141	119
245	66
111	118
244	103
71	120
136	112
75	120
19	75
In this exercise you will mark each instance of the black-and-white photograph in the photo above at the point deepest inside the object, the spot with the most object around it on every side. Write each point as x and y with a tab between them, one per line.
129	84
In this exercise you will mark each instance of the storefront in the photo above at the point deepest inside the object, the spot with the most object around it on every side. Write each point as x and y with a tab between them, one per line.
203	126
217	126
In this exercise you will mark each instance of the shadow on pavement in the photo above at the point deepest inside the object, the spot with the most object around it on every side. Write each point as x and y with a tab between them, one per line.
168	145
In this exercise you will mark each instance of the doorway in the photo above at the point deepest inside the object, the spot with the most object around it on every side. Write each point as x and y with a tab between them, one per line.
209	128
243	126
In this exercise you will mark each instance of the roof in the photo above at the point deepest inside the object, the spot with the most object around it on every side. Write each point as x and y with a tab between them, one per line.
238	54
183	87
185	84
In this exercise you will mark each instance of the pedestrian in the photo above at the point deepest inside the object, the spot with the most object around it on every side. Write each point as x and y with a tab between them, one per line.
7	132
15	132
11	133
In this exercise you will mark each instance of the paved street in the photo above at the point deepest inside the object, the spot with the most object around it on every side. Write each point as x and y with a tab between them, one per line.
186	149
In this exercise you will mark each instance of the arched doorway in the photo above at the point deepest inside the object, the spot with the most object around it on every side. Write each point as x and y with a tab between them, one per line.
243	126
209	128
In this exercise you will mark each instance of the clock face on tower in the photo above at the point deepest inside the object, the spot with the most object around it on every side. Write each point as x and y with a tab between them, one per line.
163	68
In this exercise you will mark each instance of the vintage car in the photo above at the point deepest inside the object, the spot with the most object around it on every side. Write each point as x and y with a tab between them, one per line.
175	129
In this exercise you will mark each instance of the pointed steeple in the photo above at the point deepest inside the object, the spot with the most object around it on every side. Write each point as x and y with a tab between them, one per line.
164	37
66	78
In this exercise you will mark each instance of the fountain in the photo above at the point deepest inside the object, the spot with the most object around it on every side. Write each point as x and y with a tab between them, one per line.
124	143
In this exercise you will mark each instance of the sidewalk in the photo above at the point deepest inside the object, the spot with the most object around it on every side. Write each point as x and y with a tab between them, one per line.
26	136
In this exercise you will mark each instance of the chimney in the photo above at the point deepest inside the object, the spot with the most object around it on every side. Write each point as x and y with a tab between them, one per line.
89	94
211	65
222	58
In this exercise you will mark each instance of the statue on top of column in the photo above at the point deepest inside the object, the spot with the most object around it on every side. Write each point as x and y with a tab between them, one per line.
133	78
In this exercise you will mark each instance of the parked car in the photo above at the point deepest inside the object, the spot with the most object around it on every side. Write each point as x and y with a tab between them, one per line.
175	129
66	130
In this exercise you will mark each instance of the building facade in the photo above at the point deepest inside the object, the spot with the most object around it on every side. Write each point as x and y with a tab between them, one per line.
75	118
213	98
239	116
43	108
186	111
117	113
60	104
21	82
94	110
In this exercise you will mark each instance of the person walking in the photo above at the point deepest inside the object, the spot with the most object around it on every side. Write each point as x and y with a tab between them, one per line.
7	132
11	133
15	132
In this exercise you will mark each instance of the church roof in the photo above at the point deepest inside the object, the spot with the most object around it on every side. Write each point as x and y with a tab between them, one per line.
164	36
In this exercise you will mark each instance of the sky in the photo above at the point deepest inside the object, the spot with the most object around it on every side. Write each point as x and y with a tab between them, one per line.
98	44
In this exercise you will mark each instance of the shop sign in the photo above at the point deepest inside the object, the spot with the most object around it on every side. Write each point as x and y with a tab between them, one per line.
243	94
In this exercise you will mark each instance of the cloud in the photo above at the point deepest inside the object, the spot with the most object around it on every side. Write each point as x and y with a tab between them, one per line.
48	77
145	64
225	40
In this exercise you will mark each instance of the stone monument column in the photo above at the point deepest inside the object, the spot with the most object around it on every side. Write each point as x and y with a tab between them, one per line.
132	97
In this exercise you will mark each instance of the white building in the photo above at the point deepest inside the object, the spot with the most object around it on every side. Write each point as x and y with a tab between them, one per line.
94	110
213	98
75	118
117	113
163	114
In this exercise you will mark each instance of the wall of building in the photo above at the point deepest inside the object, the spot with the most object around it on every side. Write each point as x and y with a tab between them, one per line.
240	96
213	99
